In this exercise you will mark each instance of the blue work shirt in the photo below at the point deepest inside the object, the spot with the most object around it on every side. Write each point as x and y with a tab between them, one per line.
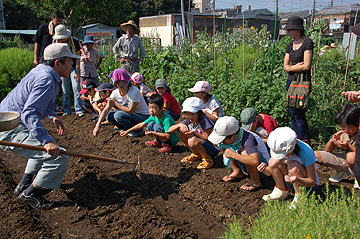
34	98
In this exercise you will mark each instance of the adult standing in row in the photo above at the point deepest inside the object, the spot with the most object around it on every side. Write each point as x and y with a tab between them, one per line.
34	98
43	36
129	45
63	35
298	58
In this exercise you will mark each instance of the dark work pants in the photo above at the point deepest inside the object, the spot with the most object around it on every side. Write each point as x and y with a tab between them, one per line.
299	123
357	158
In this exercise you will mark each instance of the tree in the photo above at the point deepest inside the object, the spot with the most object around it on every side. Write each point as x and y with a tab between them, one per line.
18	16
82	12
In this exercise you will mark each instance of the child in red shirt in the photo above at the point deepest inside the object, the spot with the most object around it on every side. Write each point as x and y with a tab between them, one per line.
170	103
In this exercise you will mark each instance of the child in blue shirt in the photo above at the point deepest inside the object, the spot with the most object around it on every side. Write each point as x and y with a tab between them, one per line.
292	161
158	125
241	151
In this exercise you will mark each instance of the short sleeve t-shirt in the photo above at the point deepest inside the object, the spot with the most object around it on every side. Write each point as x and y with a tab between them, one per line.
269	123
132	96
88	68
214	104
174	105
77	48
43	38
166	121
261	147
204	124
249	143
95	98
298	55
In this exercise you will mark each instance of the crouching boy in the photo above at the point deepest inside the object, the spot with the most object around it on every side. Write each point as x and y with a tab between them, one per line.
241	152
158	125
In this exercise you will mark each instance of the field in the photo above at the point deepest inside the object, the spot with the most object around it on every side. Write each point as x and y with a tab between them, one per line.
105	200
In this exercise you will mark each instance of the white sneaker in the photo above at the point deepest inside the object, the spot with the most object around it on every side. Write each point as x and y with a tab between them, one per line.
336	178
294	202
276	194
80	114
356	184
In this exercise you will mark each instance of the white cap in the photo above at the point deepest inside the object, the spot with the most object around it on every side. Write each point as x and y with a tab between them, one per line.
281	141
193	105
58	50
224	126
61	32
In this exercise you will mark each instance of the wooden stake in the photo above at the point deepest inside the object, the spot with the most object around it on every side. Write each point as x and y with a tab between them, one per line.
214	31
243	29
348	52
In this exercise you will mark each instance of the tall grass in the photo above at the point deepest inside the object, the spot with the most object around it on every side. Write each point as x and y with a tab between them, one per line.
335	215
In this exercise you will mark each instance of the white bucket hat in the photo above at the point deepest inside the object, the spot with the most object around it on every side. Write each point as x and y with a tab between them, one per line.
281	141
61	32
193	105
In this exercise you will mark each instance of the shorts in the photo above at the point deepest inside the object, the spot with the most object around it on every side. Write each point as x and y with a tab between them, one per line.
210	149
336	161
228	162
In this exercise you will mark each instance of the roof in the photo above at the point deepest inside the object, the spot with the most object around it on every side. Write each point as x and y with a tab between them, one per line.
22	32
302	14
257	12
90	25
99	34
339	9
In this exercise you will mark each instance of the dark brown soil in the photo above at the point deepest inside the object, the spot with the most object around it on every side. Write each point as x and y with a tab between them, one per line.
105	200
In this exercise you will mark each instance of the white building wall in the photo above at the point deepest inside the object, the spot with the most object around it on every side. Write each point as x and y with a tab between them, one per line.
203	5
160	27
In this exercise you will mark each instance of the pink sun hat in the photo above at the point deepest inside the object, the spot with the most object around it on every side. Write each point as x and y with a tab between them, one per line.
201	86
137	77
120	74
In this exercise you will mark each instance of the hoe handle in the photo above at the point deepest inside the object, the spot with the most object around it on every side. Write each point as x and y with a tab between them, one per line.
40	148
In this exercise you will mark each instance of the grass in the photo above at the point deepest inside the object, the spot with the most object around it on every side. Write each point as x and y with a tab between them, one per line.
331	215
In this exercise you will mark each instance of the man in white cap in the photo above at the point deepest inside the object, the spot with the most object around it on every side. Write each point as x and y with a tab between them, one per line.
34	98
129	45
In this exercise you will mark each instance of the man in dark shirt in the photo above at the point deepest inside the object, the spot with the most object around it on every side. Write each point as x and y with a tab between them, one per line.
44	34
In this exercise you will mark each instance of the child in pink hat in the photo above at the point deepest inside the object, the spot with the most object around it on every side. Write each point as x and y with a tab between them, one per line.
213	108
137	79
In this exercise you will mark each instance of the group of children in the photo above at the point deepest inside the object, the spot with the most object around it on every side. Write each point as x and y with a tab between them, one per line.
254	146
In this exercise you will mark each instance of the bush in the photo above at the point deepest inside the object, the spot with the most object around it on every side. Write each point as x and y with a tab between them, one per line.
334	216
14	65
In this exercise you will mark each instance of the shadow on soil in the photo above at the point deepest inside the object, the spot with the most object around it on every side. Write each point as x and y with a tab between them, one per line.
91	191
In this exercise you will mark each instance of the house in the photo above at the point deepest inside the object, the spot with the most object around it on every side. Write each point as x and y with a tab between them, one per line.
168	30
103	33
339	19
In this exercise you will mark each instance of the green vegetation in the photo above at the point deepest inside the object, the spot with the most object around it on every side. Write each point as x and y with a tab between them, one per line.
14	65
335	215
182	67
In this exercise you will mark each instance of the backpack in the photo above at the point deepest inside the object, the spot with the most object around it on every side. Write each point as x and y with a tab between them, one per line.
297	95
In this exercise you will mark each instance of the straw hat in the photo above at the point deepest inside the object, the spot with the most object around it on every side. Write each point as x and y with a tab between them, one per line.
325	48
333	45
131	23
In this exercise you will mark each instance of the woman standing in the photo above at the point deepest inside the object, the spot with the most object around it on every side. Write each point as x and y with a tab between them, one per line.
297	60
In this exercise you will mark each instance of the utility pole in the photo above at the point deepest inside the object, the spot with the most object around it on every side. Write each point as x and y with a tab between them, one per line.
183	18
274	40
331	3
313	12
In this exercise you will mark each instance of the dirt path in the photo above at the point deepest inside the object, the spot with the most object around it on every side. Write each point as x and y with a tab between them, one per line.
105	200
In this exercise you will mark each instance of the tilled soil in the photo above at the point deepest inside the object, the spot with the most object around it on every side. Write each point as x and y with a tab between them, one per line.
105	200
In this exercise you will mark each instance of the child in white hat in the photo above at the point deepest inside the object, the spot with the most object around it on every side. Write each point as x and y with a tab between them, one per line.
194	132
213	108
292	161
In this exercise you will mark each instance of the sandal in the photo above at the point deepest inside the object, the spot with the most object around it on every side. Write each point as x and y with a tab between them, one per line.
254	188
153	143
205	164
191	158
166	148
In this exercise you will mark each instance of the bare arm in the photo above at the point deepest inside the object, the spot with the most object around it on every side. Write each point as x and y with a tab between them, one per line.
138	126
36	54
310	180
301	66
251	160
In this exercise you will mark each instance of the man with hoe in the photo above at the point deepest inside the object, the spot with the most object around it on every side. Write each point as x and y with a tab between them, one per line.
129	45
34	98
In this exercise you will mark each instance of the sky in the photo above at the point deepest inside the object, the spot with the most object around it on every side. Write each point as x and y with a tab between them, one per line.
284	5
